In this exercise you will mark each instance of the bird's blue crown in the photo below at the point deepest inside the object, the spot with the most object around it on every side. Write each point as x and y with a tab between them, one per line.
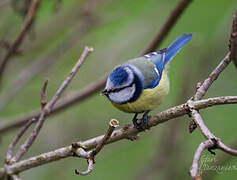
119	76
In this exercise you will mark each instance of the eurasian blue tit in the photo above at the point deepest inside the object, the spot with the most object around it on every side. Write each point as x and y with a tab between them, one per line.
141	84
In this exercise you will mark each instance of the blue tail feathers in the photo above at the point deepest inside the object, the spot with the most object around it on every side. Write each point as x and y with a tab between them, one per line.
176	46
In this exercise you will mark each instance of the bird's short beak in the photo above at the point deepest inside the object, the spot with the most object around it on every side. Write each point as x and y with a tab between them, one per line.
104	92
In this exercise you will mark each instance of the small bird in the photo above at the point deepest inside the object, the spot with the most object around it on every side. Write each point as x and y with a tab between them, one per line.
140	84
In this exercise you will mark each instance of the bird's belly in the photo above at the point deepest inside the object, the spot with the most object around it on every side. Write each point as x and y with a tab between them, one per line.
149	99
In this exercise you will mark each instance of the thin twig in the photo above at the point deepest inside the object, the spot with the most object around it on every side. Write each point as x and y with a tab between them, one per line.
203	87
25	28
223	159
39	65
89	169
43	101
216	142
201	91
61	106
117	135
16	140
46	110
98	85
199	121
233	40
168	25
194	168
112	125
90	156
226	149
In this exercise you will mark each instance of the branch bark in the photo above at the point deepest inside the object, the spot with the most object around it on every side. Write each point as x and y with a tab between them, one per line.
233	40
194	169
117	135
48	107
212	142
201	91
16	140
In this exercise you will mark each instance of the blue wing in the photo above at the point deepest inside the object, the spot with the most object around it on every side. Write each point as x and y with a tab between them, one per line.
161	57
158	58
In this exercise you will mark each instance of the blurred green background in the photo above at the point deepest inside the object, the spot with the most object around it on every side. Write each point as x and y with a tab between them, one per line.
119	30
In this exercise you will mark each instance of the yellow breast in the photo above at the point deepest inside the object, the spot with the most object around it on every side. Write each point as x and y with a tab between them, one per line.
149	99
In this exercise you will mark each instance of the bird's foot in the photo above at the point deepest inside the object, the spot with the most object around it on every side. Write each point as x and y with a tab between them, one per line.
144	119
137	123
141	124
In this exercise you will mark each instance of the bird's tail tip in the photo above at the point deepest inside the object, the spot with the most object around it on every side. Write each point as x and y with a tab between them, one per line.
177	45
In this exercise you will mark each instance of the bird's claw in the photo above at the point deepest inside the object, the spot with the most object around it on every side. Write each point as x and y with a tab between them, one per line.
141	124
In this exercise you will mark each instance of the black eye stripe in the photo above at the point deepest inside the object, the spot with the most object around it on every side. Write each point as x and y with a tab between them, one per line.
119	89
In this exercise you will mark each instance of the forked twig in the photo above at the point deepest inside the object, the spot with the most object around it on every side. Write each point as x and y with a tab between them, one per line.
90	156
48	107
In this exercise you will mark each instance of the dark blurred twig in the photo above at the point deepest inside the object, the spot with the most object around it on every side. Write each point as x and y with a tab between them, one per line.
17	42
38	66
48	107
4	3
64	104
233	40
93	87
168	25
43	101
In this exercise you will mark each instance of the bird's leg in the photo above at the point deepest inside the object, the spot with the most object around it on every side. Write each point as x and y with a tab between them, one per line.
145	119
136	124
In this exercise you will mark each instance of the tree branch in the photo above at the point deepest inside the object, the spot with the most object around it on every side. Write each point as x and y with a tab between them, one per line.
212	142
201	91
194	169
16	140
90	156
168	25
233	40
63	105
112	125
43	101
39	65
48	107
117	135
89	169
25	28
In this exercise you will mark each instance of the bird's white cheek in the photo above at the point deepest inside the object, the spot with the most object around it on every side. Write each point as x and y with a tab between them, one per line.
123	95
